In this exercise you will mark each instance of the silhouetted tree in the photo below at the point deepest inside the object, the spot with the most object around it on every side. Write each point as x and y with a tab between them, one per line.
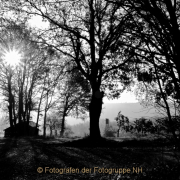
90	33
74	97
19	85
155	26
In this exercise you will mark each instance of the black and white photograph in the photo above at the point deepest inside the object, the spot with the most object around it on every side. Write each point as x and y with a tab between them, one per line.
90	89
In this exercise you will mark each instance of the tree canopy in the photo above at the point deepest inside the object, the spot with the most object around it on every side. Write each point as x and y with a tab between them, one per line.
107	44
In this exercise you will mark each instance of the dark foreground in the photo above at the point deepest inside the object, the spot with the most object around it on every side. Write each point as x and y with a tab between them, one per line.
28	158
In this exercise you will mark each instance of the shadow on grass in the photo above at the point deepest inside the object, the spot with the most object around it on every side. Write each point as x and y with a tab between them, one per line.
109	153
20	158
104	142
6	165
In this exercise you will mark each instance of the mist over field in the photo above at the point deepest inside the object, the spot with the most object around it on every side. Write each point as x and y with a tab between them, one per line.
110	111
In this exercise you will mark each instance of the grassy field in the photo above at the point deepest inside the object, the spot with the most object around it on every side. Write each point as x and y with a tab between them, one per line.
38	158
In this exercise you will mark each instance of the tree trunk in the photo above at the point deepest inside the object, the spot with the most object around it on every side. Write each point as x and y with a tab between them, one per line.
118	132
28	119
62	126
39	107
55	132
11	120
44	132
10	107
51	131
20	107
171	125
95	112
14	112
45	113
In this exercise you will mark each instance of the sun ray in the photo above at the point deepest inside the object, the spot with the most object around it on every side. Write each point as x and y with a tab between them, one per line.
12	57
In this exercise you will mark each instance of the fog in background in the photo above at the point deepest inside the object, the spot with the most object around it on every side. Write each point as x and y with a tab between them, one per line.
109	110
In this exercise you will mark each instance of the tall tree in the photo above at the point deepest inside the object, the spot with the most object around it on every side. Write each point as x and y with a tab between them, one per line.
74	96
154	91
49	102
89	33
155	25
9	44
20	83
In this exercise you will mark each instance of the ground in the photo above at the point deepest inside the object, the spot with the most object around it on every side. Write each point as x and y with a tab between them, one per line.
35	158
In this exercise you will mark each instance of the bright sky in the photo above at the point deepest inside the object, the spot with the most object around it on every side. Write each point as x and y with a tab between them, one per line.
126	97
38	23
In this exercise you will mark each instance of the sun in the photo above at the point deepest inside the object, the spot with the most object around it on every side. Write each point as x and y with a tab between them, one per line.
12	57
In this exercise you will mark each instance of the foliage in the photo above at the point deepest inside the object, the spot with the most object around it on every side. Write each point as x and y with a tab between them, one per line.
52	119
158	126
19	84
155	26
54	122
92	35
153	23
142	125
110	42
122	122
165	128
74	95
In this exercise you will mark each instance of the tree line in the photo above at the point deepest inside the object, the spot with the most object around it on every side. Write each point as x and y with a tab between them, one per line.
154	126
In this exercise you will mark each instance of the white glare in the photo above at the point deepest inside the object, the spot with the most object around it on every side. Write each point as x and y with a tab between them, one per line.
12	57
